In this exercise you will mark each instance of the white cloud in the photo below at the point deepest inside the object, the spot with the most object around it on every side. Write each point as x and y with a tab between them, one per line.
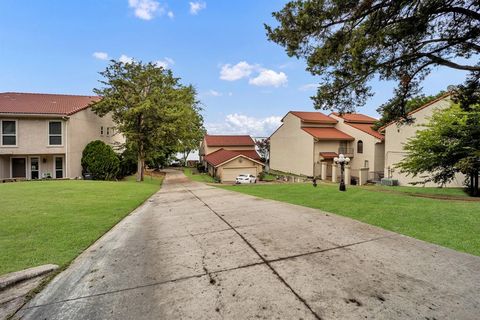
269	78
241	124
170	14
236	72
146	9
125	59
308	87
196	6
166	63
100	55
214	93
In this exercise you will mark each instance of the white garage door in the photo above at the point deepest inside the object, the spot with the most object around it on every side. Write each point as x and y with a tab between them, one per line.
229	174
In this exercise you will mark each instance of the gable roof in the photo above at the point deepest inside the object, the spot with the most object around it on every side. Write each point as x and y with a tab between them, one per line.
229	140
309	116
327	133
446	95
221	156
42	103
355	117
367	128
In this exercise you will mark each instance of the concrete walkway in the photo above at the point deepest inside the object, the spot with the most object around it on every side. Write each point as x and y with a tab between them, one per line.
198	252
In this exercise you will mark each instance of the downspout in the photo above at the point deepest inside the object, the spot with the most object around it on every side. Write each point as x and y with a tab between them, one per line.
66	147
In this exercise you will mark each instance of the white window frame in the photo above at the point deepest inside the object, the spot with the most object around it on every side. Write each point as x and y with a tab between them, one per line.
54	175
61	134
16	134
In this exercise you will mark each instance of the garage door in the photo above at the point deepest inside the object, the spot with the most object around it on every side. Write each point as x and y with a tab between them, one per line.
229	174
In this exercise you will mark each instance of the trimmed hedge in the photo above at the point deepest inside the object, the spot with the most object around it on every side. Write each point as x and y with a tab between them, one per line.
100	161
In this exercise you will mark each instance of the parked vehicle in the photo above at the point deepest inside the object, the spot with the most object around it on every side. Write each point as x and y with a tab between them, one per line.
245	178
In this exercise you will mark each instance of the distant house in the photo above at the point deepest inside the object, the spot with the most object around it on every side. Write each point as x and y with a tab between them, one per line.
307	142
43	135
396	135
227	156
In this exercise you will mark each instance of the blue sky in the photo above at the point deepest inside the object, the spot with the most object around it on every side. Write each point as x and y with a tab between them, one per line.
245	82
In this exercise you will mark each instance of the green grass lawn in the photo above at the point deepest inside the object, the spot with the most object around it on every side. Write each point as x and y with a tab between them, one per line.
194	175
54	221
453	224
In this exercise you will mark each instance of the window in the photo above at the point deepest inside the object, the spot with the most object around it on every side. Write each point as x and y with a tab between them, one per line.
365	164
360	146
58	167
101	130
108	131
55	133
9	132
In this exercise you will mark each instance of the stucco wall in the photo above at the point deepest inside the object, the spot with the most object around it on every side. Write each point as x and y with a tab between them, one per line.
397	135
84	127
373	148
291	149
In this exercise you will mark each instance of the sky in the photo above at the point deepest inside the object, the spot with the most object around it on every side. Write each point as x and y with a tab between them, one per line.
245	83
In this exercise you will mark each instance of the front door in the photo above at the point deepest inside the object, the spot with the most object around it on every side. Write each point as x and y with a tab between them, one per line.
35	168
19	168
58	167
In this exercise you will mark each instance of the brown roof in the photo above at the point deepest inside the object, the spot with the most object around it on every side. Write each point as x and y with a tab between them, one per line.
41	103
328	155
228	141
327	134
221	156
355	117
418	109
313	117
367	128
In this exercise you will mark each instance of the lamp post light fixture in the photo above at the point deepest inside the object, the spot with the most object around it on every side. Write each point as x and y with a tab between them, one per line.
342	161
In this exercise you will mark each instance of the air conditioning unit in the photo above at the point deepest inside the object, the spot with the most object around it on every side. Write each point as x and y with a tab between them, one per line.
389	182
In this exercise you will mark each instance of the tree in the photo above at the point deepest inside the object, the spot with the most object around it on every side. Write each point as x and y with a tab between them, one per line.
412	104
148	104
263	147
99	160
449	144
192	133
348	43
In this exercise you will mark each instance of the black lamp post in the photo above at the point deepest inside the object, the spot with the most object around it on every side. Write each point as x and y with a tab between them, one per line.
342	161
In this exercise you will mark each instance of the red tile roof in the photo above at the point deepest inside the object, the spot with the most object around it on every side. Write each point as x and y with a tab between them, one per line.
41	103
327	134
367	128
221	156
355	117
328	155
317	117
229	141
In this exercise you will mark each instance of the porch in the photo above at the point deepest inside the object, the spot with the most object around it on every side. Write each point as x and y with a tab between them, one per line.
32	167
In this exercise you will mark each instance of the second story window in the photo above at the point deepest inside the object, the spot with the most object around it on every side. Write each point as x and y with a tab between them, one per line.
360	146
108	131
9	132
101	130
55	133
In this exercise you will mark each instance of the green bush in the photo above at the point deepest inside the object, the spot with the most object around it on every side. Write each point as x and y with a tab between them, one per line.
128	163
100	161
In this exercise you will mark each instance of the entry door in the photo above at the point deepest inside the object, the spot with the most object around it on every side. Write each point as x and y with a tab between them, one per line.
19	168
34	168
58	167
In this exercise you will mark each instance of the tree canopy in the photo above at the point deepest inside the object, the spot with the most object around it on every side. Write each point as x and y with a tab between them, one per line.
450	143
350	42
149	106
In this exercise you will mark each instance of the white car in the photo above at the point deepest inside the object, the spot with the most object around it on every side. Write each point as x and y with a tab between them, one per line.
245	178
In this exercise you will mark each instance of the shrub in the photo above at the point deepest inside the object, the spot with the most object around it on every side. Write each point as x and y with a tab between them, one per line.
128	164
100	161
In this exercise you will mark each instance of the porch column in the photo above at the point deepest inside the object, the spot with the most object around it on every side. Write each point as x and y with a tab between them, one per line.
323	172
363	176
334	172
347	177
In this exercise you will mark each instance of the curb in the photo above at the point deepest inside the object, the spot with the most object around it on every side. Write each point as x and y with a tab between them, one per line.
15	277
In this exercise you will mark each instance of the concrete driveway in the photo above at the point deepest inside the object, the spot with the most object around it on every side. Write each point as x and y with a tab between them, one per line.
198	252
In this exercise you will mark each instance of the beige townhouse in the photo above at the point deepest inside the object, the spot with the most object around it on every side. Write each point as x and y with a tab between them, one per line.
307	142
227	156
43	135
397	134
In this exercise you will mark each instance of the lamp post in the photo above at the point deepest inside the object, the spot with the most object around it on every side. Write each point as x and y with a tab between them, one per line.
342	161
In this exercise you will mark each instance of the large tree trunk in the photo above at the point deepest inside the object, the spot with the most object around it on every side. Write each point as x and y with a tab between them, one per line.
141	152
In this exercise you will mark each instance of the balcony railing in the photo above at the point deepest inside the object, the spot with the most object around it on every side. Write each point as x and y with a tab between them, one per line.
345	151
